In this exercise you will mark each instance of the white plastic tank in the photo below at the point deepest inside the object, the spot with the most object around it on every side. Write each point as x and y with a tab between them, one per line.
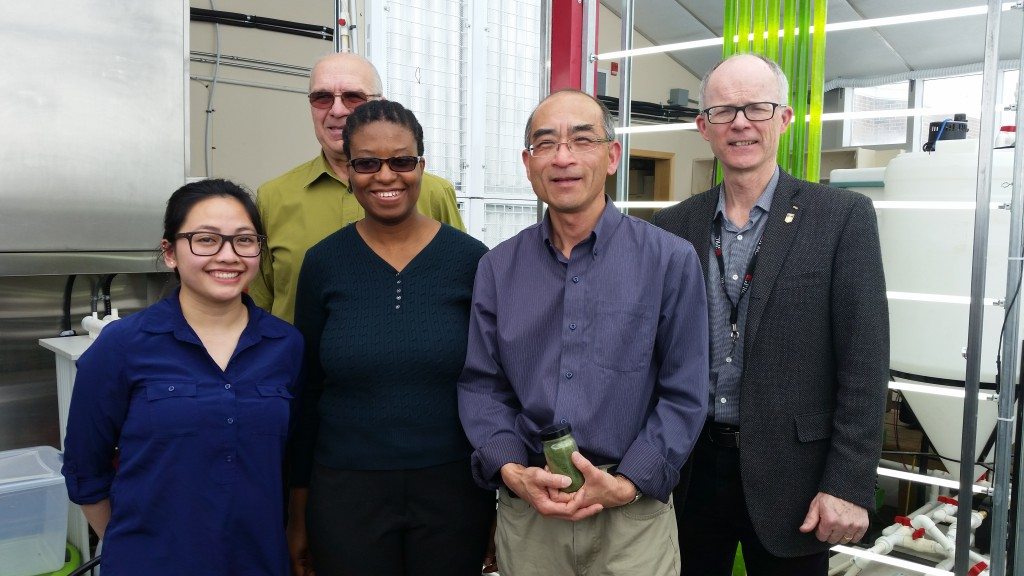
927	253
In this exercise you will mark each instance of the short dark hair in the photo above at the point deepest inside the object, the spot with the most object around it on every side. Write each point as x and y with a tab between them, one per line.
382	111
181	202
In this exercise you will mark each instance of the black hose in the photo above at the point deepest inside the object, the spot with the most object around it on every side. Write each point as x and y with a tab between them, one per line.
260	22
65	320
107	281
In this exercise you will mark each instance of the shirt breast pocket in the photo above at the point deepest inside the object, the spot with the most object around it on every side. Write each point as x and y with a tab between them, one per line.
271	411
173	408
623	335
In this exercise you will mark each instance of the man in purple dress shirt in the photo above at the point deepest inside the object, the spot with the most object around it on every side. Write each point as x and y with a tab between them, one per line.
598	320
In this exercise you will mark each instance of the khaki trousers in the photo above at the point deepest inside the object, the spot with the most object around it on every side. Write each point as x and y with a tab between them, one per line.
639	539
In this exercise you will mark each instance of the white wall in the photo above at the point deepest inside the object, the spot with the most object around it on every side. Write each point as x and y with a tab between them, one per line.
256	133
260	133
653	76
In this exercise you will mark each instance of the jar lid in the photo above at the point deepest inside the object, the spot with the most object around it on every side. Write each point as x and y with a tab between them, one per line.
555	431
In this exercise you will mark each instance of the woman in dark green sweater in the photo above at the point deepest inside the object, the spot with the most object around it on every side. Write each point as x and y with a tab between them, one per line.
381	481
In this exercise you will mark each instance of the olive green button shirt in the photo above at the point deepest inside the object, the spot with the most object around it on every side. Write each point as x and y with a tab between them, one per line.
306	204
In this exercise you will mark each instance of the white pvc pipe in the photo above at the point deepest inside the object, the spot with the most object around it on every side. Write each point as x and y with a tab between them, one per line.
931	530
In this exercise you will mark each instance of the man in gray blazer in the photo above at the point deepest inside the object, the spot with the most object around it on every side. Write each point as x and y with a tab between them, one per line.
799	348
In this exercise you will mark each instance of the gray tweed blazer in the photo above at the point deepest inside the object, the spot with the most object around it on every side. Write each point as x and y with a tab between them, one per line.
816	359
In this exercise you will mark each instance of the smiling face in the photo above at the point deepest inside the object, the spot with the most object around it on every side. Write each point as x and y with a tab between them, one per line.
336	74
570	182
387	196
220	278
742	146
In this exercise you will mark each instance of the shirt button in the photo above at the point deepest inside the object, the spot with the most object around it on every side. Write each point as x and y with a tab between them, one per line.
575	279
398	291
397	306
572	326
399	282
728	359
568	375
722	400
564	421
170	388
739	236
398	297
231	420
735	276
228	458
227	386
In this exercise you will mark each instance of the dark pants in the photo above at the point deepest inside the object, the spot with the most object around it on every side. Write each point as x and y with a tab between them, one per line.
431	521
714	519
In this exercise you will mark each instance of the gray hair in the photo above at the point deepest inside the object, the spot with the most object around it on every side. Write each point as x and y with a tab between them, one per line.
606	115
780	78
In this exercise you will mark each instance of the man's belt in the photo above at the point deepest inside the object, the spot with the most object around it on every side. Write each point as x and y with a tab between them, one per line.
722	435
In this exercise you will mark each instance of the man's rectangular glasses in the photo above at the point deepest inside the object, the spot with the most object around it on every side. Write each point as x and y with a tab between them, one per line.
579	144
210	243
755	112
370	165
323	99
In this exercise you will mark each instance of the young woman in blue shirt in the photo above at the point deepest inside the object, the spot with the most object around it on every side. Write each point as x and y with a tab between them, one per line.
192	399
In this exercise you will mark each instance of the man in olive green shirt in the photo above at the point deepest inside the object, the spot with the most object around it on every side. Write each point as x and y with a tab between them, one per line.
309	202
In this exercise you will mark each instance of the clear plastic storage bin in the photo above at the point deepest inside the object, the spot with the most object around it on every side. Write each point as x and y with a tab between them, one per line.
33	511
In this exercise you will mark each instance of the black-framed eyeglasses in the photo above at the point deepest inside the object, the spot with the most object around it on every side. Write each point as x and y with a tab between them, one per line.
578	144
755	112
371	165
323	99
204	243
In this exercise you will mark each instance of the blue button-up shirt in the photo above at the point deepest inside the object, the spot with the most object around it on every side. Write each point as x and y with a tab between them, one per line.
612	340
738	245
198	488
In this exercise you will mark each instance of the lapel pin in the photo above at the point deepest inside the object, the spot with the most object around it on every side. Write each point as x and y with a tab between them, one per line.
789	217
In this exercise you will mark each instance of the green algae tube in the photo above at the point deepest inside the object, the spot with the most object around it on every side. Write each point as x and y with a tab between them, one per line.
558	448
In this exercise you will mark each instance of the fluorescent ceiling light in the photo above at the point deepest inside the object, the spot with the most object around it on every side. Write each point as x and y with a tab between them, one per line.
659	49
929	205
937	390
657	204
911	18
939	298
834	27
828	117
922	479
655	128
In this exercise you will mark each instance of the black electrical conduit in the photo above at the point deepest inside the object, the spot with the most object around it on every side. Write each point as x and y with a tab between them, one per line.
107	281
262	23
65	321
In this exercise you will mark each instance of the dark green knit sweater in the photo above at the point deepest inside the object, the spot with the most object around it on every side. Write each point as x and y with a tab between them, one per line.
383	353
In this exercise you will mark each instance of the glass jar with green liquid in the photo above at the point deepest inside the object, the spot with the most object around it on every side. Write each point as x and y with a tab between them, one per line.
558	448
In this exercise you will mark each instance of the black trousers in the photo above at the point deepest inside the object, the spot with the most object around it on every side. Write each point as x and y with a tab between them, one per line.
427	522
714	519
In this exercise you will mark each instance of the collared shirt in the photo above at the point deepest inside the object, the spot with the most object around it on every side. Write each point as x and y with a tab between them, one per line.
738	244
611	340
306	204
198	486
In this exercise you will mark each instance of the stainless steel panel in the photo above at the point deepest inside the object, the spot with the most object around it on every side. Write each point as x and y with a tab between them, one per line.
30	309
92	110
64	263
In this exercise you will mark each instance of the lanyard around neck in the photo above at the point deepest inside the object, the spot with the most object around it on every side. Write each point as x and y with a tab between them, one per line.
734	313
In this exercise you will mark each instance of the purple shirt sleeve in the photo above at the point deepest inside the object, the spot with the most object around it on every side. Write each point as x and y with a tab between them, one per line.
613	339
